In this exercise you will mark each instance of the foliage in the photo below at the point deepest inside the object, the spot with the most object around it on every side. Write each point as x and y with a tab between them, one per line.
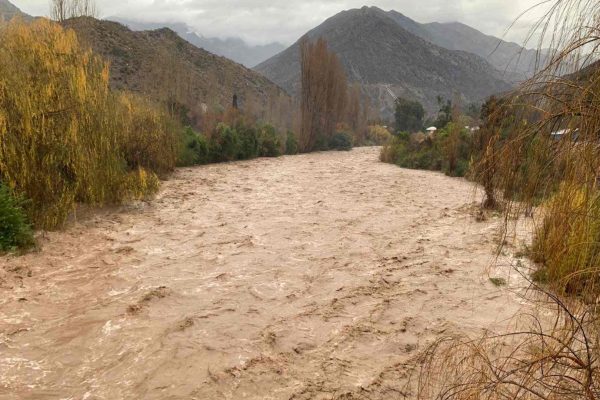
555	355
567	244
341	141
224	144
444	116
326	101
15	231
65	136
441	152
474	110
378	135
324	94
249	141
269	142
194	149
409	115
241	141
148	137
291	143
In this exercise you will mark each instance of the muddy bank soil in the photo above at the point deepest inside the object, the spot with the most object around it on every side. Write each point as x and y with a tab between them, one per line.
312	276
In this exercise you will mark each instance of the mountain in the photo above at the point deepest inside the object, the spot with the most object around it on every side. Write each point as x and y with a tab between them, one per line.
8	11
388	61
163	66
233	48
516	62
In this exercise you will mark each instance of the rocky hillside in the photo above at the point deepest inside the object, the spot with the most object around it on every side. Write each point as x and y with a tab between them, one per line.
165	67
515	62
8	11
233	48
389	61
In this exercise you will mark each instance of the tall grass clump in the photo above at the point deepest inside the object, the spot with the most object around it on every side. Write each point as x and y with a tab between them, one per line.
65	137
541	359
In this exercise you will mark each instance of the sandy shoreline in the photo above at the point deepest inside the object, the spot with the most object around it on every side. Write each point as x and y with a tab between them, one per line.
311	276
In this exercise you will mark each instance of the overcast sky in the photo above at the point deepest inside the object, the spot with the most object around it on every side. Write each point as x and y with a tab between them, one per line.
262	21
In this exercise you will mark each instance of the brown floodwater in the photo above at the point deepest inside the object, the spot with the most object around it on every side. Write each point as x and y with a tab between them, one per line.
312	276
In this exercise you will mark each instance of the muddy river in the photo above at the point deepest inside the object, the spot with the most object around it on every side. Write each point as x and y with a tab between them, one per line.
317	276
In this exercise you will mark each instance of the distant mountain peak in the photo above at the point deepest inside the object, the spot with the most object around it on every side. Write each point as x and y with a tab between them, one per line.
8	11
383	56
233	48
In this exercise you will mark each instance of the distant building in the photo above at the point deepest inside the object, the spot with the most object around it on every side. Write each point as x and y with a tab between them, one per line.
431	130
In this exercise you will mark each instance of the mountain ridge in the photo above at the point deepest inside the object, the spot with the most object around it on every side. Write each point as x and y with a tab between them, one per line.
233	48
8	11
387	60
163	66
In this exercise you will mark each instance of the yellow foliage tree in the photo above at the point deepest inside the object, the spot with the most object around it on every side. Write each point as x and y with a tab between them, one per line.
65	138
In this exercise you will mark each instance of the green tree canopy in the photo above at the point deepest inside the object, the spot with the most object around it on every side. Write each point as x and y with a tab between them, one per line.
409	115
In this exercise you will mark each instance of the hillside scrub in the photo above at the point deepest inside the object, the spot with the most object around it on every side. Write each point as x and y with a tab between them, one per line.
65	137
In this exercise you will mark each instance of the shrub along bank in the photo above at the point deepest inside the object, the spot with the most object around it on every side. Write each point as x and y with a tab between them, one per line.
449	150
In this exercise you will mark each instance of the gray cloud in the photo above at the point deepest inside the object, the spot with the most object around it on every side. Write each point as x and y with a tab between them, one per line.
262	21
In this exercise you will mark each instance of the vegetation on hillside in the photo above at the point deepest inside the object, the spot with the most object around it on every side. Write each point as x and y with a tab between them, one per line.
195	85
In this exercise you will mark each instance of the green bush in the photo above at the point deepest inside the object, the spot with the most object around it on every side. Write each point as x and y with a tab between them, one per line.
269	142
224	144
248	142
341	141
15	231
291	143
442	152
409	115
194	149
321	143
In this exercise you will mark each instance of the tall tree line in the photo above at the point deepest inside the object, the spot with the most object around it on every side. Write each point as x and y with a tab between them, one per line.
326	101
61	10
